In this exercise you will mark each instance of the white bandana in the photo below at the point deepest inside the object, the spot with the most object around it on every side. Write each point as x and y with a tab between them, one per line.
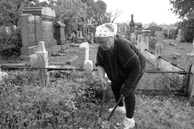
106	30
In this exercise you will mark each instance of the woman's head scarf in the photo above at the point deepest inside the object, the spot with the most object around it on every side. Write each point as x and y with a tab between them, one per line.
106	30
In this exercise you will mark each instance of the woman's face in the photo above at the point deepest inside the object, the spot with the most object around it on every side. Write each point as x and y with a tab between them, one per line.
106	43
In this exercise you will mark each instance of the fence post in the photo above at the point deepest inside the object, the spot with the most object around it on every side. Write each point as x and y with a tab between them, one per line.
190	68
159	49
2	74
84	61
42	56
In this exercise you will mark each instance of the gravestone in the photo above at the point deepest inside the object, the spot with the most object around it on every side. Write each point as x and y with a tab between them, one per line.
47	17
59	33
159	48
31	33
179	35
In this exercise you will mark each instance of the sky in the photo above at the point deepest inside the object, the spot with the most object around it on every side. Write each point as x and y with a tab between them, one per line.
144	11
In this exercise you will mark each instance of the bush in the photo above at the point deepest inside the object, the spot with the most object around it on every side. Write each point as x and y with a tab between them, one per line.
10	45
188	30
26	105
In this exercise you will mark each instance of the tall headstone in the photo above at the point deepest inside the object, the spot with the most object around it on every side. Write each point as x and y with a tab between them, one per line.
59	33
30	29
159	48
47	15
145	42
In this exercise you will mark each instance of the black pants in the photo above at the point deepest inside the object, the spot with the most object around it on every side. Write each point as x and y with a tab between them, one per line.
130	99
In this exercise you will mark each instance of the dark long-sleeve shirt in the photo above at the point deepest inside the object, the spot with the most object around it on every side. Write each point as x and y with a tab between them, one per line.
123	64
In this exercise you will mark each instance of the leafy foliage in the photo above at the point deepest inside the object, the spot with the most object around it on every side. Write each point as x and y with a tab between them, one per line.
68	99
188	30
10	44
11	9
183	8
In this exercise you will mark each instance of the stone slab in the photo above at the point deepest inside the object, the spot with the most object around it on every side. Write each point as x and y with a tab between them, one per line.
26	51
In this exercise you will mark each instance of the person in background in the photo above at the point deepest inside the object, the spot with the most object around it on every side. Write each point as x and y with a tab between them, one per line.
124	66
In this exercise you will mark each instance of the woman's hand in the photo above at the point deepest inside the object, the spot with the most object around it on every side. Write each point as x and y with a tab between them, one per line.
104	84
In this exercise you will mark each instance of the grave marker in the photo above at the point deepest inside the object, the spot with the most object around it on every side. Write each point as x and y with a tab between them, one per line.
159	48
28	31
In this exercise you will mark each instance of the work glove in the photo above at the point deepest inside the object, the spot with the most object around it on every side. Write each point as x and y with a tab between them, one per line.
126	90
104	84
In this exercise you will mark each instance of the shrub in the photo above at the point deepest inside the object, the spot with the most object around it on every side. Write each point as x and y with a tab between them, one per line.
26	105
10	45
188	30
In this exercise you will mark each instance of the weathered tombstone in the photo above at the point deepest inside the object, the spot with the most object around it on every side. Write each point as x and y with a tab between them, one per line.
145	42
47	15
139	27
159	48
59	33
179	35
28	31
139	38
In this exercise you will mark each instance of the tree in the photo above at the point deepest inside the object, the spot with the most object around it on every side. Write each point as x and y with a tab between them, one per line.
70	11
188	30
10	10
100	10
153	23
90	10
115	14
182	8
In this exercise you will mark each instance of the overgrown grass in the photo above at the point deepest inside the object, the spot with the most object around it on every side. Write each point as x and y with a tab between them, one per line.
72	101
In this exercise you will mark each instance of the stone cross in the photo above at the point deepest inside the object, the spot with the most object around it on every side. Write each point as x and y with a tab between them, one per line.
42	55
40	60
84	61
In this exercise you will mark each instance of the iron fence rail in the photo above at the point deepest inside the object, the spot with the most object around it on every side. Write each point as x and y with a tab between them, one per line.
139	91
79	69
